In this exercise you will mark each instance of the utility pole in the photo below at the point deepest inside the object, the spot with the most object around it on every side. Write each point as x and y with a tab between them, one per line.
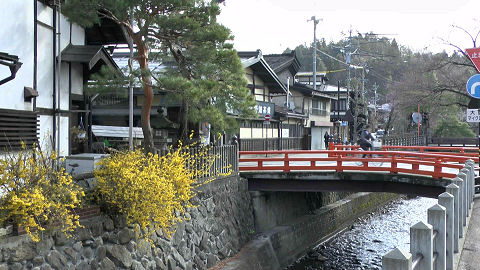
130	89
348	59
315	22
375	86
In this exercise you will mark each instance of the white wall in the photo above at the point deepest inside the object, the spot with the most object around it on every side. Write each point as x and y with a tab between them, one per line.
258	133
318	142
17	37
17	34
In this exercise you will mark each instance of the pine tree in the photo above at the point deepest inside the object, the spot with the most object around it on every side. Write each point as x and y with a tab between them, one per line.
206	73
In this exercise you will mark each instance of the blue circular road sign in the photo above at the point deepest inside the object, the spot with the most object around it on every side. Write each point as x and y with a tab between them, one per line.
473	86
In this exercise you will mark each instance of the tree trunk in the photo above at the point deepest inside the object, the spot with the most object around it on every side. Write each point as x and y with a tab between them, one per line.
148	92
184	122
388	124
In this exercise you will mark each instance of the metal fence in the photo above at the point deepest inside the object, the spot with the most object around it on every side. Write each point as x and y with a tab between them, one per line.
454	141
405	141
226	159
291	143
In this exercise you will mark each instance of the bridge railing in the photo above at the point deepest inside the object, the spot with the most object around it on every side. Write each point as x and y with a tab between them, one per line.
433	244
467	151
430	164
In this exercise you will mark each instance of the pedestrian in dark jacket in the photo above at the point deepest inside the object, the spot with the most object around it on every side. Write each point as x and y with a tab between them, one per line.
365	138
327	139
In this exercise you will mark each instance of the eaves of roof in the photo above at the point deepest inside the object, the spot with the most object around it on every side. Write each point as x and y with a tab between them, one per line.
249	59
88	54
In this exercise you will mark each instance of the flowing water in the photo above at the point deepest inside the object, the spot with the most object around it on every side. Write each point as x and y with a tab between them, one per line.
362	245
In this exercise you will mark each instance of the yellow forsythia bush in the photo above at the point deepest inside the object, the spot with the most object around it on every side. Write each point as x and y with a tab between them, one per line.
152	190
36	193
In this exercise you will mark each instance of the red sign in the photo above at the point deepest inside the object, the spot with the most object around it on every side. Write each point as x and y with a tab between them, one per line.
267	117
474	55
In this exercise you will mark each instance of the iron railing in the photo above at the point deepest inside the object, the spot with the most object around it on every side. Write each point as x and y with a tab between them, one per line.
226	159
291	143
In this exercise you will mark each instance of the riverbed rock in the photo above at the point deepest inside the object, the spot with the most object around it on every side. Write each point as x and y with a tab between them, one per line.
119	255
57	260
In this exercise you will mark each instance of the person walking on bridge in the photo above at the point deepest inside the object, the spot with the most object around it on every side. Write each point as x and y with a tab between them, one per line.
365	138
327	139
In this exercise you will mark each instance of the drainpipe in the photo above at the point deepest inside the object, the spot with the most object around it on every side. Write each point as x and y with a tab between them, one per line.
130	89
54	90
288	91
59	19
35	52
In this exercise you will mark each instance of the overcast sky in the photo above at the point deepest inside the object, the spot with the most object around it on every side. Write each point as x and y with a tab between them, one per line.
274	25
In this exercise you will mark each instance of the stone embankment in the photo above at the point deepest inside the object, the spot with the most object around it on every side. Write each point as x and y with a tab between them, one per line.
273	228
218	228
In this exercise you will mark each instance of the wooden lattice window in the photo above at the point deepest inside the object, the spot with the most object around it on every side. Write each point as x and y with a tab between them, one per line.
17	126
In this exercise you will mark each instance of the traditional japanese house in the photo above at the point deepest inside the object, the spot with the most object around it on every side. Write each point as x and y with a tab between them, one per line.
304	112
263	132
43	98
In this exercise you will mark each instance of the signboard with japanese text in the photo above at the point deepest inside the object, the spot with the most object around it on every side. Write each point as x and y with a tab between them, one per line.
474	55
264	108
473	116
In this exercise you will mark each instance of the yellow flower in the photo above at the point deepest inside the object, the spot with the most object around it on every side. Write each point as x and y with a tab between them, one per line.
150	189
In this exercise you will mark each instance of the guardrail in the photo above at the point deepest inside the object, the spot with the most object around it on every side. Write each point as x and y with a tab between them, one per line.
433	244
353	160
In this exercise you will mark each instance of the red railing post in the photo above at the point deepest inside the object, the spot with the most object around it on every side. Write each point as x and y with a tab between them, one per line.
331	146
286	163
339	163
437	168
393	165
415	167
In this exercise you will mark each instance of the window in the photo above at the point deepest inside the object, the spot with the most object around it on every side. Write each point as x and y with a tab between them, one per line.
319	107
339	105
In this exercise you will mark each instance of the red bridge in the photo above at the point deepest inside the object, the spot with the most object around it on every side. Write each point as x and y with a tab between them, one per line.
416	170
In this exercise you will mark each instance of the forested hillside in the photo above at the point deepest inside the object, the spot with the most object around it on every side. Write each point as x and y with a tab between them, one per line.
404	79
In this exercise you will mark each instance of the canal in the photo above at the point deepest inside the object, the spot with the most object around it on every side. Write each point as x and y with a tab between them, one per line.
362	245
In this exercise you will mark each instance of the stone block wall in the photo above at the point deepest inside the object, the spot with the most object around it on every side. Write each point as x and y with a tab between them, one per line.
218	228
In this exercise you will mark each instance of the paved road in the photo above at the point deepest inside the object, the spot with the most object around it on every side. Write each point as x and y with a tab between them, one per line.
470	258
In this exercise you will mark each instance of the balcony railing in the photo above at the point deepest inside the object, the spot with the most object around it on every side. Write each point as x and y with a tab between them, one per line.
320	112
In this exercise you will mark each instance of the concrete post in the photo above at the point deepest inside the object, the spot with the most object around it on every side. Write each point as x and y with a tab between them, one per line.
437	218
466	188
471	164
471	179
397	260
447	200
471	167
453	190
421	244
459	182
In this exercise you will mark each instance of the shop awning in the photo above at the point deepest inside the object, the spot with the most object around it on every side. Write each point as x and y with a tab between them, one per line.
116	132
